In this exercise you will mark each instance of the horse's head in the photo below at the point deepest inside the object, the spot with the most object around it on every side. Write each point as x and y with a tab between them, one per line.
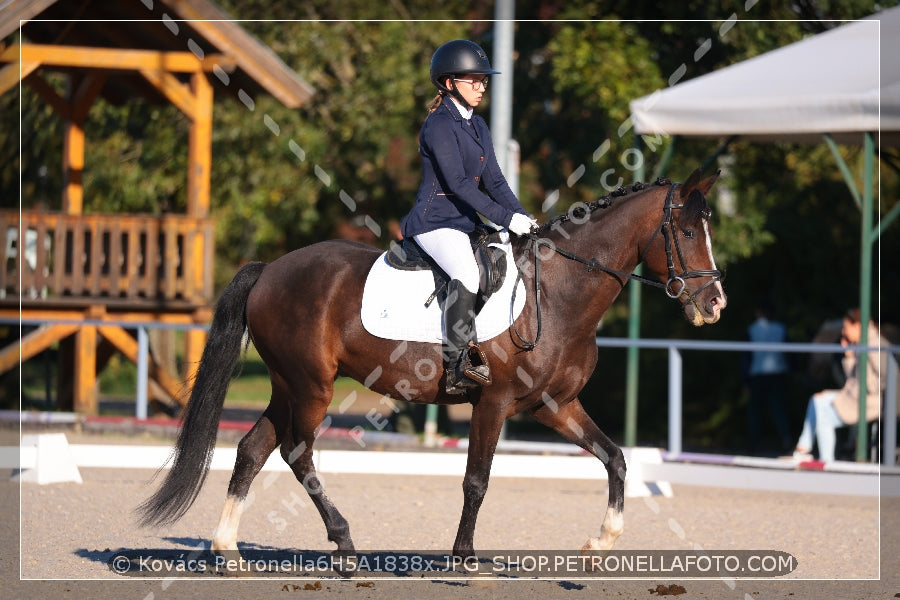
683	258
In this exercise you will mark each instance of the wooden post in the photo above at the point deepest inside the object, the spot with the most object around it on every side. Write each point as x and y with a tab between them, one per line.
80	100
84	399
84	388
200	147
73	164
199	171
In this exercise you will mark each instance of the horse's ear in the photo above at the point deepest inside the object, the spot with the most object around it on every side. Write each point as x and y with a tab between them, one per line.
690	184
694	183
706	185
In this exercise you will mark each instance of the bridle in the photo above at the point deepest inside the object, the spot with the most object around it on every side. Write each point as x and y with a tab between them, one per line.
667	226
674	287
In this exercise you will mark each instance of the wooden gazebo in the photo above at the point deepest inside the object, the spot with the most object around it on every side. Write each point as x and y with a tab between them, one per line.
79	276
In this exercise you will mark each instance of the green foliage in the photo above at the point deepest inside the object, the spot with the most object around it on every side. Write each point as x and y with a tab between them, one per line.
136	157
588	72
593	81
28	124
349	153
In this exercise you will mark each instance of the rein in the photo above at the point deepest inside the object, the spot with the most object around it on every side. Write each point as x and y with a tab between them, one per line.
667	226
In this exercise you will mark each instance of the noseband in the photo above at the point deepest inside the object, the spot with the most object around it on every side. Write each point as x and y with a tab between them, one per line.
675	286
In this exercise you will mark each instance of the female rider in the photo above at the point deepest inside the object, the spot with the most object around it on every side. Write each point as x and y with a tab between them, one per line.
460	180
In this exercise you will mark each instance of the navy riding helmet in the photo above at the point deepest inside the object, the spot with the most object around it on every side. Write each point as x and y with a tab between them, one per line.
459	57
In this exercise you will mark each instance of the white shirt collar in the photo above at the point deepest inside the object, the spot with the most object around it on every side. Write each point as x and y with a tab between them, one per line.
465	113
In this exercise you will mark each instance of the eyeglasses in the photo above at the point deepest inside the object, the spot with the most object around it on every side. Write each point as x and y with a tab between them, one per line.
475	83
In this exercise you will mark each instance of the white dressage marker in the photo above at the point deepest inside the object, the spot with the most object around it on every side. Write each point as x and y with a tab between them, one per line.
47	458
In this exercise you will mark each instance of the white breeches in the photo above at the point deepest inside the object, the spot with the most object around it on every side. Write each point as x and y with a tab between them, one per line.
452	251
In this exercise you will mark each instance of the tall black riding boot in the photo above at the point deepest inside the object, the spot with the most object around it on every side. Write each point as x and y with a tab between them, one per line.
466	365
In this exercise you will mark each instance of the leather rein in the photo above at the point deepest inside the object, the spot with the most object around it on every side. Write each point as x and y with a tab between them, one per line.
674	287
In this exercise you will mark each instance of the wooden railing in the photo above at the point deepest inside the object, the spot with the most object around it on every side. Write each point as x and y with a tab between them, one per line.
134	258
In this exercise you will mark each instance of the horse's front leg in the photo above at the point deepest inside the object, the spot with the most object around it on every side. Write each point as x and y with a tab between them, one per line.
571	420
487	420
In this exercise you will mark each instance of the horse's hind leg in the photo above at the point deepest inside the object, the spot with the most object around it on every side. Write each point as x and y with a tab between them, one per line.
252	452
336	526
297	451
576	425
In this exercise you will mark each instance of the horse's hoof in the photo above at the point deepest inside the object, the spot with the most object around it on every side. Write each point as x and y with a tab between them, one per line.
463	562
224	547
592	545
344	562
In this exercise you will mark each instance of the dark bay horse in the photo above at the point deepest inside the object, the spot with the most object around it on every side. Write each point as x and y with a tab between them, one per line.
302	312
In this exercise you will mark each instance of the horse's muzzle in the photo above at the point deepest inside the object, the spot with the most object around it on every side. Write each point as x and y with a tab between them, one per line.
705	308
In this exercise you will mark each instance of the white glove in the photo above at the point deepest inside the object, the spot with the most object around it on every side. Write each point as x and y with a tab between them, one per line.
521	224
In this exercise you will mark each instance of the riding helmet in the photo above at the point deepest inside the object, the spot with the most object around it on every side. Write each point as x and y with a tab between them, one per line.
459	57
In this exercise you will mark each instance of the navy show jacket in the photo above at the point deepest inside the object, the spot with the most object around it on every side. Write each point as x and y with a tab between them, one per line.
458	161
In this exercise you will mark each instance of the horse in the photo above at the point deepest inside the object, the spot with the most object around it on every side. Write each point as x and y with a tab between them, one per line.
302	313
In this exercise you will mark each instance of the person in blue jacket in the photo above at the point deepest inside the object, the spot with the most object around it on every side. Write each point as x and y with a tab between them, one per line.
460	181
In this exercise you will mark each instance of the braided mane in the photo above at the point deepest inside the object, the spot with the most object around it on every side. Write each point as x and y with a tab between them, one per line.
600	203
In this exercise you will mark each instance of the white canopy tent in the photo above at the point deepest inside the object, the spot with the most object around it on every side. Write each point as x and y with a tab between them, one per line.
841	86
845	81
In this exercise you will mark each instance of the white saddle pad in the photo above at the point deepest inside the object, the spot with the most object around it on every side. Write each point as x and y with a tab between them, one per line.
393	304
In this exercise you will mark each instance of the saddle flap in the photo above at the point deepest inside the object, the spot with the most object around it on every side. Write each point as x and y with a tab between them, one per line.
491	261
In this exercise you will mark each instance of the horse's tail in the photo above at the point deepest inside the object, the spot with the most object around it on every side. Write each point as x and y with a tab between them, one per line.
194	449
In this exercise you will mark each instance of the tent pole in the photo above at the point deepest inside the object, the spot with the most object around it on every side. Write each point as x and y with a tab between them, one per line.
634	330
888	218
868	236
632	366
845	170
865	291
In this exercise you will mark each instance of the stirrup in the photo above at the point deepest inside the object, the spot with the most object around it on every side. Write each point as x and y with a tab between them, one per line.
470	372
475	365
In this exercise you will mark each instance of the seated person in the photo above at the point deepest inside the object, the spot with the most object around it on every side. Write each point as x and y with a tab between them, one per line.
829	409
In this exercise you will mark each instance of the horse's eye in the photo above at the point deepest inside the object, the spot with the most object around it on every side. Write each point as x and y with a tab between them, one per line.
688	233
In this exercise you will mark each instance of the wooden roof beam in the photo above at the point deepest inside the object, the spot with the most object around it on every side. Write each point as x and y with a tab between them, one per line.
114	58
253	57
176	92
11	74
49	95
